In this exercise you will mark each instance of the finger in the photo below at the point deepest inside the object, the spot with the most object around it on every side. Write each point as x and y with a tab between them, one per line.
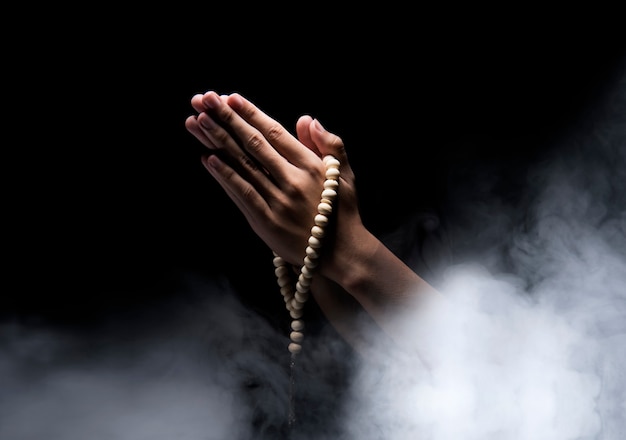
193	127
196	103
230	152
280	139
329	143
217	138
304	135
251	143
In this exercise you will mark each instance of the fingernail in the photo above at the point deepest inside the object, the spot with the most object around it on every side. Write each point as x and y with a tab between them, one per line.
206	121
211	162
211	100
317	125
235	101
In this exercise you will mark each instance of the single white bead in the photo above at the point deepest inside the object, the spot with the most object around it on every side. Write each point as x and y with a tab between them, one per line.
317	232
314	242
305	281
300	288
332	162
297	304
295	314
286	290
331	184
302	297
283	281
310	263
306	272
297	325
281	271
329	194
324	208
310	252
295	348
278	261
296	336
321	220
332	173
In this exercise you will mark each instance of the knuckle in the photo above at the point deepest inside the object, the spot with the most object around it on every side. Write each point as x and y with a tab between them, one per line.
317	172
222	138
275	132
254	143
247	112
248	163
247	193
336	144
282	208
293	192
225	114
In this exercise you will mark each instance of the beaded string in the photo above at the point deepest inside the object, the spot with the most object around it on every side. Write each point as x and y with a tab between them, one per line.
296	298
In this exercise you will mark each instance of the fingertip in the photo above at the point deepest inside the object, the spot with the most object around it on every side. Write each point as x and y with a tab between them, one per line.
304	122
235	101
210	162
211	100
327	142
318	126
190	120
196	103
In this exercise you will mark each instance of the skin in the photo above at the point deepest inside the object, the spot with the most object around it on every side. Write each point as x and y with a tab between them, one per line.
275	179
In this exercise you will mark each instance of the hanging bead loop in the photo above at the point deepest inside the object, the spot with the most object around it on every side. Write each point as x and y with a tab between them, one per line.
296	297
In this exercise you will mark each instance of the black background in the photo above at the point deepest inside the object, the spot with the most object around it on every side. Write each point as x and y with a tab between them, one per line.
106	203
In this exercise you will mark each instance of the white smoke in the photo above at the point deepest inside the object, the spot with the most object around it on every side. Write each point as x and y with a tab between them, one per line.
181	374
534	352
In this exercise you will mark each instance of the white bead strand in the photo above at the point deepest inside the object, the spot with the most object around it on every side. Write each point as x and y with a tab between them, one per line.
296	298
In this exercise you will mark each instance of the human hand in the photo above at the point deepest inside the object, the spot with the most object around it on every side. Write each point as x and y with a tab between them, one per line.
274	178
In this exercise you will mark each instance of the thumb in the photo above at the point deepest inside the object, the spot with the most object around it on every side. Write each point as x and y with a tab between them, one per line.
328	143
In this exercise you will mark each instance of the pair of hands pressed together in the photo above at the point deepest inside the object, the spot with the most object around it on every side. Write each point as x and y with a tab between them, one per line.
275	179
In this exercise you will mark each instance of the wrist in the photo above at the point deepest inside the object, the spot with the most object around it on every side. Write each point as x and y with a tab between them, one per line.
348	262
